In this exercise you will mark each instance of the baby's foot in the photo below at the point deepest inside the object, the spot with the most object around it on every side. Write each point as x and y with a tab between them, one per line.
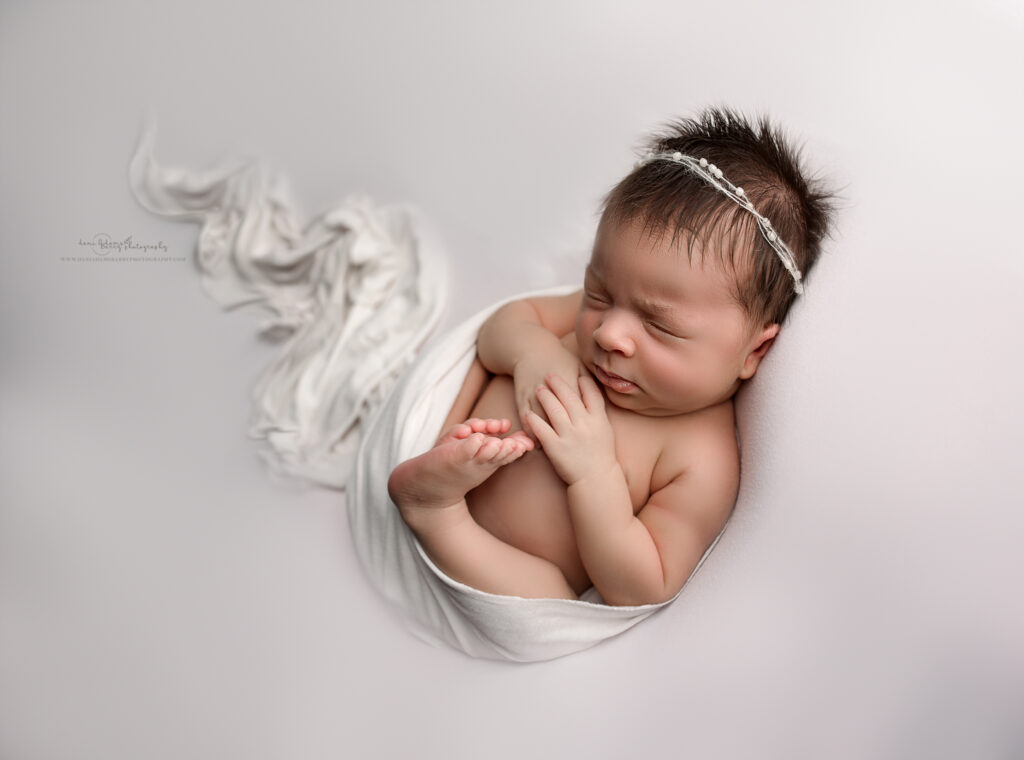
463	458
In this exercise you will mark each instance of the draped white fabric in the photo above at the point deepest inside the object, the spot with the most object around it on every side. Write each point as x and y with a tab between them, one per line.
354	293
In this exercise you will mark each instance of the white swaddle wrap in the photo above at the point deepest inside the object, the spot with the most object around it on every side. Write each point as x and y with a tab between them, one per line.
357	291
478	623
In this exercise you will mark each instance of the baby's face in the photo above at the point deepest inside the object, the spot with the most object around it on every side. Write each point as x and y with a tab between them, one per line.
659	333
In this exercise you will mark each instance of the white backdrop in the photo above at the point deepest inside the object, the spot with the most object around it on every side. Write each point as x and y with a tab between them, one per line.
161	598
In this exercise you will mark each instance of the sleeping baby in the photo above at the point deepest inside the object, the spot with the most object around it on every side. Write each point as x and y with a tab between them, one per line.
593	443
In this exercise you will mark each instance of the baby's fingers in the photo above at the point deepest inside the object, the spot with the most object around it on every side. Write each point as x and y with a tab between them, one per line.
567	395
543	432
526	402
553	407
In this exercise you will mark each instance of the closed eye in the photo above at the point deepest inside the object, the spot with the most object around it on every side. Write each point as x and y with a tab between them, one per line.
664	330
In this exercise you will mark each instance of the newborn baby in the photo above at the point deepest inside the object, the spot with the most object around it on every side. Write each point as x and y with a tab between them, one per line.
599	445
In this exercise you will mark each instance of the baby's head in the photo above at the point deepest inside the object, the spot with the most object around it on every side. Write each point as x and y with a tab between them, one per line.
720	305
667	197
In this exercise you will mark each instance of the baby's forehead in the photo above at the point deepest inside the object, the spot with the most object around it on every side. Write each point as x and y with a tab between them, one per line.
725	239
673	283
724	255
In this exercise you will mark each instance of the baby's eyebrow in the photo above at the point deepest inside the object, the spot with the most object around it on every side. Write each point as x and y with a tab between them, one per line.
673	315
656	309
646	305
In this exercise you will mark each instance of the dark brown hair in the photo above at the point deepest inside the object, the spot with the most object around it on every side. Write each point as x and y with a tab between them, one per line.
667	197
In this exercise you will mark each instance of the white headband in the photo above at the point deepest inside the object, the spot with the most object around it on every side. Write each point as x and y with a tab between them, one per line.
713	176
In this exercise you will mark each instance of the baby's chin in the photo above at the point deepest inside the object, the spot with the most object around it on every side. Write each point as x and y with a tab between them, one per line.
647	411
637	403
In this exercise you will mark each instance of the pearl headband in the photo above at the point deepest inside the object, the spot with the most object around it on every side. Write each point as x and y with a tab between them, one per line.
713	176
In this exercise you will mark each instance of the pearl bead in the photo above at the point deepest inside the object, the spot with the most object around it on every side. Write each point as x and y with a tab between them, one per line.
704	163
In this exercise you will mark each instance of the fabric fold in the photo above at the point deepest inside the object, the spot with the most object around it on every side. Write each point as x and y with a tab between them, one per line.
351	296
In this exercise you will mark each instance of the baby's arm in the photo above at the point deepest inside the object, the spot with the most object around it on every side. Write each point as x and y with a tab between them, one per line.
645	559
641	559
523	339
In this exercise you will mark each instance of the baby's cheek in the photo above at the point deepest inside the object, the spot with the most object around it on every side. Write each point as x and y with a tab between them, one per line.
586	323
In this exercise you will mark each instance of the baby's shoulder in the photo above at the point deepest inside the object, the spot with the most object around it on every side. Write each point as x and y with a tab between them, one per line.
702	443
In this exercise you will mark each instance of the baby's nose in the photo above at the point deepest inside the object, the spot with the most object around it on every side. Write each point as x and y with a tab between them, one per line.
613	335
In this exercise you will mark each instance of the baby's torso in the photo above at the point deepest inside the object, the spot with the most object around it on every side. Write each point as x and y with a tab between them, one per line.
524	503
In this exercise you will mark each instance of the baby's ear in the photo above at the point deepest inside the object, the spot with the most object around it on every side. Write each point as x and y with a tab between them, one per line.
757	348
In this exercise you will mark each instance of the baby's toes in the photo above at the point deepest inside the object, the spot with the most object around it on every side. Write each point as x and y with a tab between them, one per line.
489	450
488	426
511	450
469	447
497	427
523	440
457	433
478	425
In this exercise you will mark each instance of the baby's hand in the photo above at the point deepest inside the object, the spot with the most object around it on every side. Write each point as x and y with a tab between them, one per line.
579	441
531	371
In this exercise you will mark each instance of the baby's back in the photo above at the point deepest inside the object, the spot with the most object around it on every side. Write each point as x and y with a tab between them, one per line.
525	502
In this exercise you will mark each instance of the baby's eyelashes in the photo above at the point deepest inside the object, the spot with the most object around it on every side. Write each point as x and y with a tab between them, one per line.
663	329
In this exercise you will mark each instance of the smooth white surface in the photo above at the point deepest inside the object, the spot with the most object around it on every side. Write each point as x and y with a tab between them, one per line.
160	598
